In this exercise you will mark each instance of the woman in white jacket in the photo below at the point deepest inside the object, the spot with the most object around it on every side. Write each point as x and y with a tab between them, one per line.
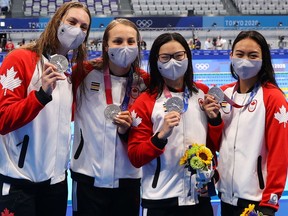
253	151
162	131
104	180
36	112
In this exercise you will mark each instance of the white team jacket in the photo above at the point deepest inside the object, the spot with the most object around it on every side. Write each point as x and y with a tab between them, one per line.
98	152
253	152
174	181
45	130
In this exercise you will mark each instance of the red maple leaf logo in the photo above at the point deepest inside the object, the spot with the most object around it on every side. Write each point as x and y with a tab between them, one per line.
6	213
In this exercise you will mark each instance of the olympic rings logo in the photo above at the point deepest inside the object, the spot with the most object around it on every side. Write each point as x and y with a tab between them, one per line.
144	23
202	66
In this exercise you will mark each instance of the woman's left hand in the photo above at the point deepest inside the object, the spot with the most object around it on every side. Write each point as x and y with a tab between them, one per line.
123	120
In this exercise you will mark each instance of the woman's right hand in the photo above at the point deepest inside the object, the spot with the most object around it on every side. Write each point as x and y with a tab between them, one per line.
211	106
49	78
171	120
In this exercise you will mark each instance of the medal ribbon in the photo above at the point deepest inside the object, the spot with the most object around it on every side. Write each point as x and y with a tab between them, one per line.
108	86
108	89
167	94
252	95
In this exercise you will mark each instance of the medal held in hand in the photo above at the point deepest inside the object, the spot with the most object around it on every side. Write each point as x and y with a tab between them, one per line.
217	93
175	104
60	62
111	111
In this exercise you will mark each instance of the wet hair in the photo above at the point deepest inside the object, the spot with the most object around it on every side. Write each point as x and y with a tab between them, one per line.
156	79
266	73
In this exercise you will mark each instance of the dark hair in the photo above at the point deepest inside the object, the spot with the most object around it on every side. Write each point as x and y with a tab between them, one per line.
266	73
156	79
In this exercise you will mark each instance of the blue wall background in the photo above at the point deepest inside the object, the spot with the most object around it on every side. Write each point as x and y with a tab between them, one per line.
38	24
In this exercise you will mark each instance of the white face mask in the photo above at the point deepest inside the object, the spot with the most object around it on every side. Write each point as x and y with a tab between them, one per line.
70	37
123	56
173	69
246	69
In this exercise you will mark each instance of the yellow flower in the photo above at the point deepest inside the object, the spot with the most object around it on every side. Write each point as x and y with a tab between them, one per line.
184	158
205	155
248	210
245	212
251	207
197	156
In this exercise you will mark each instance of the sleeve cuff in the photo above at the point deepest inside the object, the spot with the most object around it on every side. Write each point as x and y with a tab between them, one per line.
124	137
267	210
159	143
215	121
43	97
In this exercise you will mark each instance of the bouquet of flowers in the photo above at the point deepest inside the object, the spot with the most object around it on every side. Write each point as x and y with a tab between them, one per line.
199	158
250	211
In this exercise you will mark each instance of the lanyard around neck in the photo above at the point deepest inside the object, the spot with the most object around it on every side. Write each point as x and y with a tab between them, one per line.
251	96
108	89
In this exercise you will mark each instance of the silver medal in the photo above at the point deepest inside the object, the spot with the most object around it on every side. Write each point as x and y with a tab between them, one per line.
111	111
217	93
60	62
175	104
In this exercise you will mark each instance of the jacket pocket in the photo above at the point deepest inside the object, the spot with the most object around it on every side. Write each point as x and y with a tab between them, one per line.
157	173
80	147
259	172
23	151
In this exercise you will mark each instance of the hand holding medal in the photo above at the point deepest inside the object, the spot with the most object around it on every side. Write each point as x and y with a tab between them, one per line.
217	93
212	101
60	62
111	111
49	77
175	104
220	96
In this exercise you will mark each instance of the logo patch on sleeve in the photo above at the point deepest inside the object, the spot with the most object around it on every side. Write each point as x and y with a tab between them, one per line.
273	199
9	82
136	120
282	116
